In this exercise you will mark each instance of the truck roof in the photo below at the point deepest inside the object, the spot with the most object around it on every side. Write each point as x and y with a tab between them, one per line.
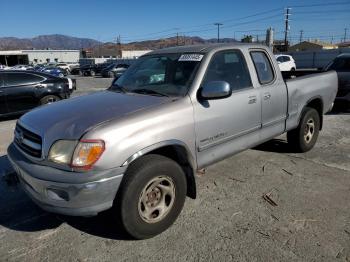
203	48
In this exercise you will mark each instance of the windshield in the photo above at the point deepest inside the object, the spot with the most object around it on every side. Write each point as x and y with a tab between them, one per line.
165	74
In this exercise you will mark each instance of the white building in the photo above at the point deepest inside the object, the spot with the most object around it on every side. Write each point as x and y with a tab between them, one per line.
127	54
14	57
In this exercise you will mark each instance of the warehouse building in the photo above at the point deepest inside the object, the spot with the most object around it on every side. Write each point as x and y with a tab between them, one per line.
15	57
312	45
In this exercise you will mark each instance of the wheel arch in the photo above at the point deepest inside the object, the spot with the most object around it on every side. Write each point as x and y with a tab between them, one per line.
177	151
317	104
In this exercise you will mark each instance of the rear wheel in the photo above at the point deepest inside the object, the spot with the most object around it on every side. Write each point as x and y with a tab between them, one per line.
49	99
92	73
304	137
152	196
111	74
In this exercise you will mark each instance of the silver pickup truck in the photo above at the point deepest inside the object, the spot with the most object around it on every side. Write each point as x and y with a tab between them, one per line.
136	147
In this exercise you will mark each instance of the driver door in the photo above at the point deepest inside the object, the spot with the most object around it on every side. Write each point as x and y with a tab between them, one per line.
228	125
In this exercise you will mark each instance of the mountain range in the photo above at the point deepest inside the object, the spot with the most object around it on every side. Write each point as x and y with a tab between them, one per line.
46	42
68	42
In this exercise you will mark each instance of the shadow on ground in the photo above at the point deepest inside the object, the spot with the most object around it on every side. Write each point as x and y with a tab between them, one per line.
8	118
275	145
19	213
340	110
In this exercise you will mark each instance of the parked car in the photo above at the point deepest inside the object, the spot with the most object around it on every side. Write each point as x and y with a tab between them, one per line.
4	67
341	64
137	146
55	71
114	70
21	91
286	62
63	66
93	69
21	67
75	70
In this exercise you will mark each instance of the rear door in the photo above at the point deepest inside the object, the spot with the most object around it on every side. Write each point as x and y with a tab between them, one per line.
273	92
20	89
3	107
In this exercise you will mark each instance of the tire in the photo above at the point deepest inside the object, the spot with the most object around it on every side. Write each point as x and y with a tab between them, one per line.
304	137
110	74
169	186
49	99
292	69
92	73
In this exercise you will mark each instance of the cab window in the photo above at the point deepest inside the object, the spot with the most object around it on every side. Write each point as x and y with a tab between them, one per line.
229	66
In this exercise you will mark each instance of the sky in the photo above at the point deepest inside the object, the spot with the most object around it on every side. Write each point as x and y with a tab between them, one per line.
104	20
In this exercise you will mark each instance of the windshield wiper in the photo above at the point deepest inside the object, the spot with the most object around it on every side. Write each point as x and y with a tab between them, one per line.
148	92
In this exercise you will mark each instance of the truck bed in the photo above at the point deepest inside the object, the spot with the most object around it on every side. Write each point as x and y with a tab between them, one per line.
298	73
301	90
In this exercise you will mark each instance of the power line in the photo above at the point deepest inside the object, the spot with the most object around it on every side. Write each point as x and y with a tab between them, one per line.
323	4
205	27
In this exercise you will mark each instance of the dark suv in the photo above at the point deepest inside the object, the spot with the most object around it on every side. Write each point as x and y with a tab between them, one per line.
93	69
114	70
21	91
341	64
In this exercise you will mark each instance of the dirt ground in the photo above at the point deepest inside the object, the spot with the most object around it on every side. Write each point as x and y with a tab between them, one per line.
305	216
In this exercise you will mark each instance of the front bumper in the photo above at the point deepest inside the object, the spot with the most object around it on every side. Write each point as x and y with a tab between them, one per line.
75	199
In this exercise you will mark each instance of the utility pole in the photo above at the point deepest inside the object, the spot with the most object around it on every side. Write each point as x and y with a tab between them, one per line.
177	38
287	14
301	36
345	31
218	25
332	39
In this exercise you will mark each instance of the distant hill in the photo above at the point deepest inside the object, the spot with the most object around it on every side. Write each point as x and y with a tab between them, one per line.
69	42
172	41
46	42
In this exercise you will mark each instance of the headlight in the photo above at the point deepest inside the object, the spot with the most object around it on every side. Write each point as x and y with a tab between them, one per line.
61	151
77	154
86	153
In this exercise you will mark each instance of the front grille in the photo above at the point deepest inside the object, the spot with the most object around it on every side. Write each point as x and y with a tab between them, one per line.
28	141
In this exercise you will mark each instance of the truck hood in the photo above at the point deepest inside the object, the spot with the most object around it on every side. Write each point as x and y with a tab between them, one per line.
70	119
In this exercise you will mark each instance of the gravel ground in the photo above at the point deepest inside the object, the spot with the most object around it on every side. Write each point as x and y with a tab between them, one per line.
229	221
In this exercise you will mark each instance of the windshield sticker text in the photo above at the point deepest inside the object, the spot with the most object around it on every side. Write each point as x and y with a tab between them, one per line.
191	57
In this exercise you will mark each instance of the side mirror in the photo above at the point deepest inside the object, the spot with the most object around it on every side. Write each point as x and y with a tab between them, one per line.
215	90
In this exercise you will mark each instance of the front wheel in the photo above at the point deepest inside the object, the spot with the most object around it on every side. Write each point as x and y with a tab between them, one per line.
151	196
49	99
304	137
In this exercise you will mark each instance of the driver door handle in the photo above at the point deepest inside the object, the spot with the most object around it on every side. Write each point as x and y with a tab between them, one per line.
267	96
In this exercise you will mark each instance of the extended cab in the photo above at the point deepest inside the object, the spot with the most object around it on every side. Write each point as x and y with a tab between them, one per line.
138	145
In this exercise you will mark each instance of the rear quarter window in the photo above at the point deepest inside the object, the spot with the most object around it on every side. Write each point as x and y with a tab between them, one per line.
263	67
